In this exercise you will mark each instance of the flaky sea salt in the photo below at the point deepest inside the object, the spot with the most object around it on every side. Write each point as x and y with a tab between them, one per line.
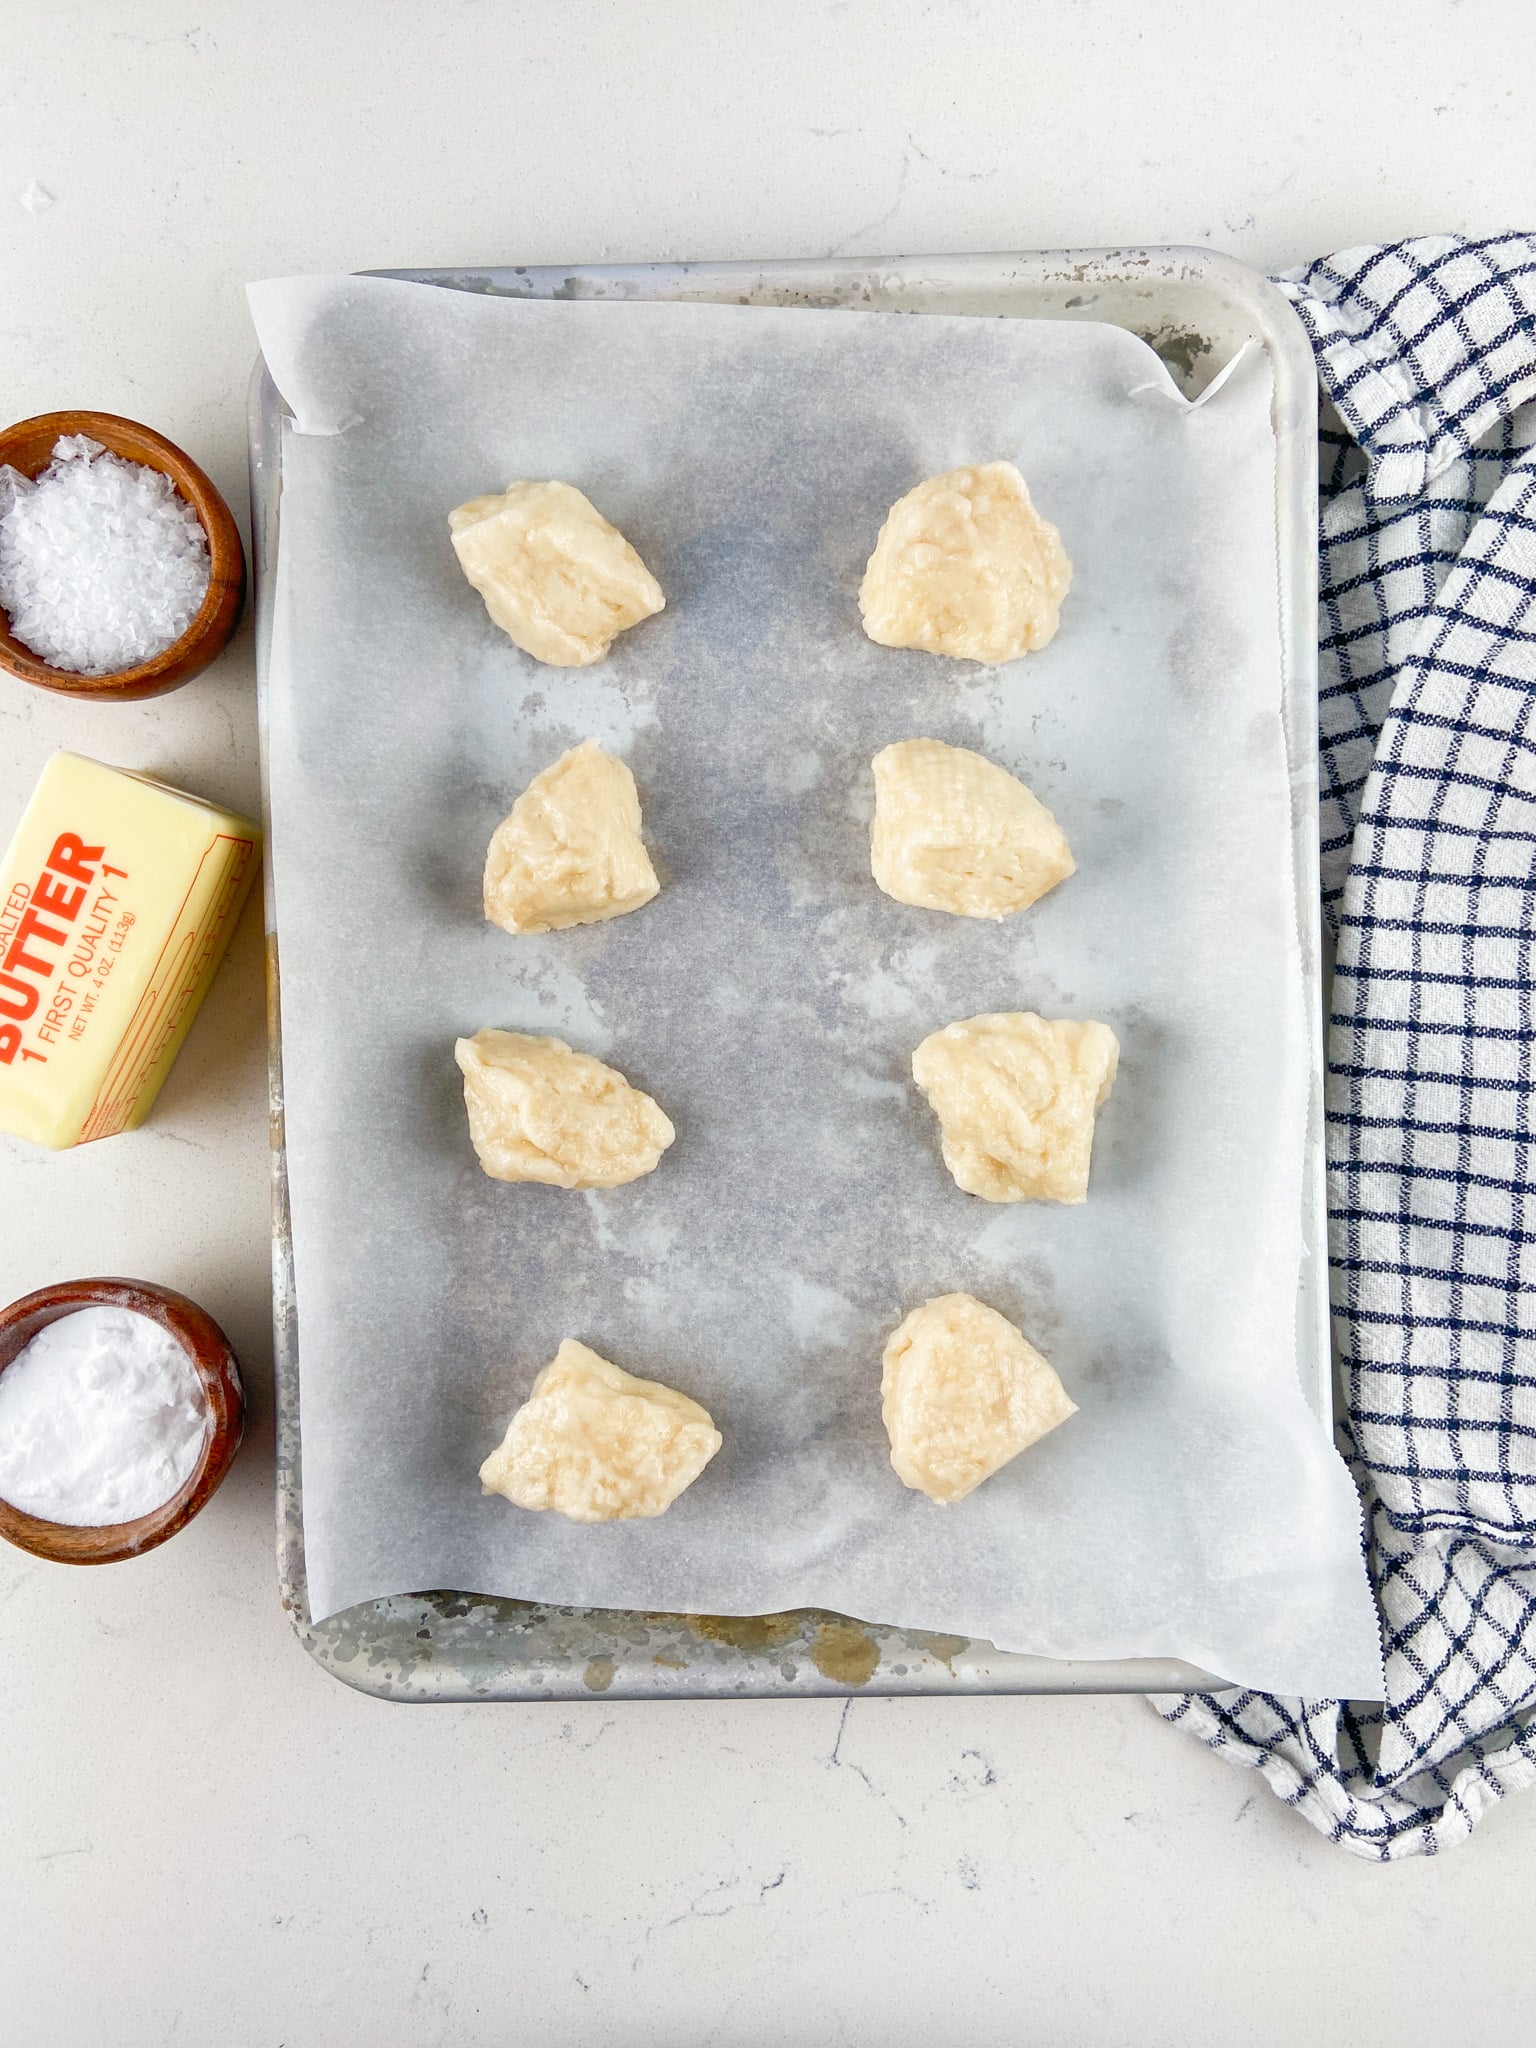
102	563
102	1419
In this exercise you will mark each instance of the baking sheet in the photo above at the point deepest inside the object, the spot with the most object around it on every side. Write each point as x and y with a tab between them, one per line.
770	998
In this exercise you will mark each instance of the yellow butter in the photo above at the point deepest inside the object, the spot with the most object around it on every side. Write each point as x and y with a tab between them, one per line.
117	899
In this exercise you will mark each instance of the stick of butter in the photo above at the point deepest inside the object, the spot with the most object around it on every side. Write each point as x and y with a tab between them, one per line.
117	899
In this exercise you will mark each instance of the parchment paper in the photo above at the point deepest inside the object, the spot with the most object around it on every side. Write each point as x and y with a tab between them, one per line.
771	997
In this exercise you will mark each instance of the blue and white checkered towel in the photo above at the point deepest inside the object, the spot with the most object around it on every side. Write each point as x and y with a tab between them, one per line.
1427	352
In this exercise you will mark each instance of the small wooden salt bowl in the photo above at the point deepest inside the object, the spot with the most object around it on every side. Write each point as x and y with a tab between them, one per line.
28	447
207	1347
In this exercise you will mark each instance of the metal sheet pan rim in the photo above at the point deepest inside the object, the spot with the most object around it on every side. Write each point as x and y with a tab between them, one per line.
1194	306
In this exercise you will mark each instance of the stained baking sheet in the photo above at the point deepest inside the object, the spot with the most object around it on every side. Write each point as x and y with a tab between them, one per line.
771	997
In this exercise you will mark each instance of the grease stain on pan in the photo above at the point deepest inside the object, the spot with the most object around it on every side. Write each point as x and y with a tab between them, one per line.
844	1653
943	1649
752	1634
598	1675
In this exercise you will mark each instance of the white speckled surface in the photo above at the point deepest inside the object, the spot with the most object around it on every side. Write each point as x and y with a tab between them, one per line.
257	1855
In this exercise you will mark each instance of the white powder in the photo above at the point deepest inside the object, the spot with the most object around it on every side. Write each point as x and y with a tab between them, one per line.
102	1418
102	563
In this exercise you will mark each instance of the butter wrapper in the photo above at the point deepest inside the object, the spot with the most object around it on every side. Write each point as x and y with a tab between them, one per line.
118	896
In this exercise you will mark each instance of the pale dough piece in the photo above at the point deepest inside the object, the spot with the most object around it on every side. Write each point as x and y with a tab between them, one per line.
965	565
538	1111
596	1444
1016	1096
955	832
570	852
554	574
962	1392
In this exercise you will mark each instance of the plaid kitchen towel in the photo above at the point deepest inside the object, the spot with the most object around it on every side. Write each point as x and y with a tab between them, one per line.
1427	352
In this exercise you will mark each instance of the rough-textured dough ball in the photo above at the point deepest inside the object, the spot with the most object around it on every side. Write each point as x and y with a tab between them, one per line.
955	832
965	566
554	574
540	1112
962	1392
1016	1096
570	852
595	1444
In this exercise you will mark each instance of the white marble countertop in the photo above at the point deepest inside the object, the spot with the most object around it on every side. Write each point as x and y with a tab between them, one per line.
207	1839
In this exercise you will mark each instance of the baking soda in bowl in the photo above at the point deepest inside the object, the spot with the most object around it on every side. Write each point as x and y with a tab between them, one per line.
103	564
102	1419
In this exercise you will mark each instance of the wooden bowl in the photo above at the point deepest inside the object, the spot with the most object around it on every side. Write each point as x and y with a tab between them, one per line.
207	1347
28	446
